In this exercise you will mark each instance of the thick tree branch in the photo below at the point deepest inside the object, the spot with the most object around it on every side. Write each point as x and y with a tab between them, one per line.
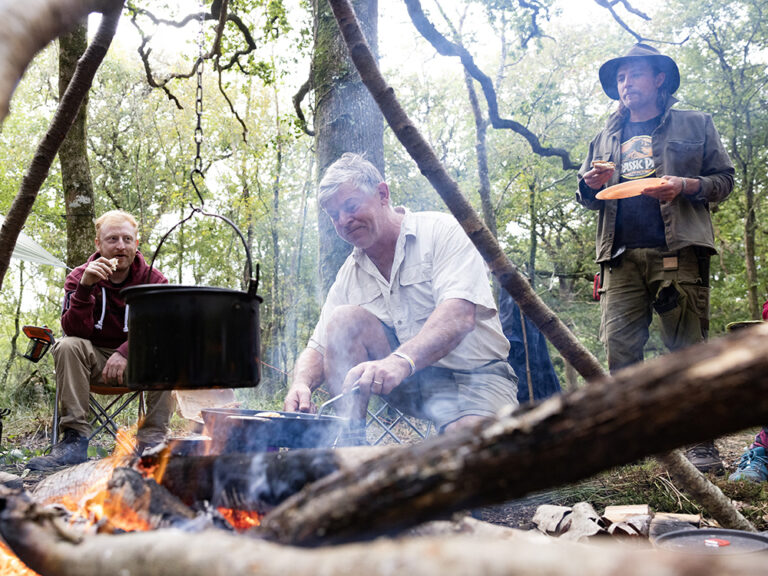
49	146
447	48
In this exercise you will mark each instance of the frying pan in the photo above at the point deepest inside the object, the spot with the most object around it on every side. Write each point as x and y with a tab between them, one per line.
240	430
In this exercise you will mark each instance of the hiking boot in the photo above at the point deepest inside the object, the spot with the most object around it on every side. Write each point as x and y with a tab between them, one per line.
705	457
753	466
73	449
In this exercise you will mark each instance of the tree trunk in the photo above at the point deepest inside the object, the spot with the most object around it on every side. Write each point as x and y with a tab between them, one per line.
509	277
346	118
750	229
73	156
704	391
532	237
13	352
481	129
62	120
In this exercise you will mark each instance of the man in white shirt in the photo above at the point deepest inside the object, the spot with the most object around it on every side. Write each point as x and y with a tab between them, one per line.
410	317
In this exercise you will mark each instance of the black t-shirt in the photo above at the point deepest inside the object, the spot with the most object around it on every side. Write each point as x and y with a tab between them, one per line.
638	220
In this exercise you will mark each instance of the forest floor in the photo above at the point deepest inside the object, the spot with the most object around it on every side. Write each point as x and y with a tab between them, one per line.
645	482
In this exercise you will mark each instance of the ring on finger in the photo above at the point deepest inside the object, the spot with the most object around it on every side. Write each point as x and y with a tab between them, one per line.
376	382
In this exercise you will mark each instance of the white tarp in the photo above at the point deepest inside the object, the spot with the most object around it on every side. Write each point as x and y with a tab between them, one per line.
29	250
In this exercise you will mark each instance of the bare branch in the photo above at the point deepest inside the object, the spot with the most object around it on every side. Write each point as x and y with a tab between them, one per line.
297	99
447	48
216	48
231	106
609	5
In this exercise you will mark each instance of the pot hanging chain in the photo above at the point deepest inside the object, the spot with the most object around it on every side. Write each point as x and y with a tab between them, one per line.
197	166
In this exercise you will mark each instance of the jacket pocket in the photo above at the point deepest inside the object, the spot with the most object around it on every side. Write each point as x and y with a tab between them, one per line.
684	157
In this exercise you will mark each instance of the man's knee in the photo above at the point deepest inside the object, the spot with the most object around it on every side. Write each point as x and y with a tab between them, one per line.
71	348
351	323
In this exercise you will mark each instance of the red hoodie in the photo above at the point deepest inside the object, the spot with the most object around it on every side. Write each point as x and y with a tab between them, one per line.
98	313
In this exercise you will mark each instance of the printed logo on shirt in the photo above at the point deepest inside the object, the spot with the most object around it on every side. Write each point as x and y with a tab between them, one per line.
637	158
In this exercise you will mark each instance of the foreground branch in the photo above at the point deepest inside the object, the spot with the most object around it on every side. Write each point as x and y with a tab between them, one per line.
28	27
429	165
62	120
699	393
51	550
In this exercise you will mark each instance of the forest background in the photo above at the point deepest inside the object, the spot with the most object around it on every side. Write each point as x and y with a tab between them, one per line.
260	167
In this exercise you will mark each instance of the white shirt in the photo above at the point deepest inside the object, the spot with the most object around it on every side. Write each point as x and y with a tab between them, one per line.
434	261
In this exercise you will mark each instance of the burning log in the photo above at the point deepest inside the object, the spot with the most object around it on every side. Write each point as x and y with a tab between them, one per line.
51	550
132	502
256	481
71	486
698	393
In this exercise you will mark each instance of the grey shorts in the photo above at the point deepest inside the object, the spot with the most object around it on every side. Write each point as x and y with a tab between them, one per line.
443	395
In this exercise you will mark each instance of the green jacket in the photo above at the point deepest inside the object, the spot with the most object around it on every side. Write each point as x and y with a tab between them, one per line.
685	144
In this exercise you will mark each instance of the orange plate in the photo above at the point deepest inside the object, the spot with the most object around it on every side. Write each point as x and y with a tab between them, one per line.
629	189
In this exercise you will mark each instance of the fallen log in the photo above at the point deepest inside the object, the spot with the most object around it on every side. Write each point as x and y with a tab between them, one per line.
51	551
702	392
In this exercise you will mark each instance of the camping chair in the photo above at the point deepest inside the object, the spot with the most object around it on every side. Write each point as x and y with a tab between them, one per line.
104	414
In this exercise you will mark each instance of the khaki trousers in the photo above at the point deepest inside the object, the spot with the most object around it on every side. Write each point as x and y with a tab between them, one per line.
79	365
640	284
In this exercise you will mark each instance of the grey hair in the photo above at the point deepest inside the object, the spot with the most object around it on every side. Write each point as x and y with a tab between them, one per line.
351	169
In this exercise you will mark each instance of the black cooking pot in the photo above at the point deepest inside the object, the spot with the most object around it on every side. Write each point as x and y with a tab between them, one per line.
191	337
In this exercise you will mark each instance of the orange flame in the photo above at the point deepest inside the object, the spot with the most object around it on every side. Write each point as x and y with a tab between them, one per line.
241	520
10	565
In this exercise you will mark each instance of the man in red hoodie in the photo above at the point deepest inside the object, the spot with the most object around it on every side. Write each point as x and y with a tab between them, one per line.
94	349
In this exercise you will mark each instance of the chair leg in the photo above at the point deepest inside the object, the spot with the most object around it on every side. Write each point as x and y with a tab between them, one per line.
105	416
56	415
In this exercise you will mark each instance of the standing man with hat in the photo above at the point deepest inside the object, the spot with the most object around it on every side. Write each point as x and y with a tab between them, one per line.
654	249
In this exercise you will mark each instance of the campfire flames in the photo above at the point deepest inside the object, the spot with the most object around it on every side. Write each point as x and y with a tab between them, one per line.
241	520
99	508
10	565
94	505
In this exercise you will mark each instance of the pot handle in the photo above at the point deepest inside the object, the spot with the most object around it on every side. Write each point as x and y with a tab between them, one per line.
253	282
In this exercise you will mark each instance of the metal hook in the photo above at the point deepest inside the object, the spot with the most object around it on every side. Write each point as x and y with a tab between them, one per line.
194	184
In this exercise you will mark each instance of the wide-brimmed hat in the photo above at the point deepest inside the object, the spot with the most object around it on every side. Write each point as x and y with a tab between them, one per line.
663	63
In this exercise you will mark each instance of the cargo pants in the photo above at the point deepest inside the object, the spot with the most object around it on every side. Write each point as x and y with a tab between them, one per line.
644	280
79	365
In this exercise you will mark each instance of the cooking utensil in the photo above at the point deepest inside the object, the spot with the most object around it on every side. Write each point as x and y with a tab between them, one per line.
236	430
240	430
629	189
712	541
191	337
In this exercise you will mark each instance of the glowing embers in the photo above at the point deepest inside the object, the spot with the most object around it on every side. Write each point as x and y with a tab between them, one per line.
240	520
